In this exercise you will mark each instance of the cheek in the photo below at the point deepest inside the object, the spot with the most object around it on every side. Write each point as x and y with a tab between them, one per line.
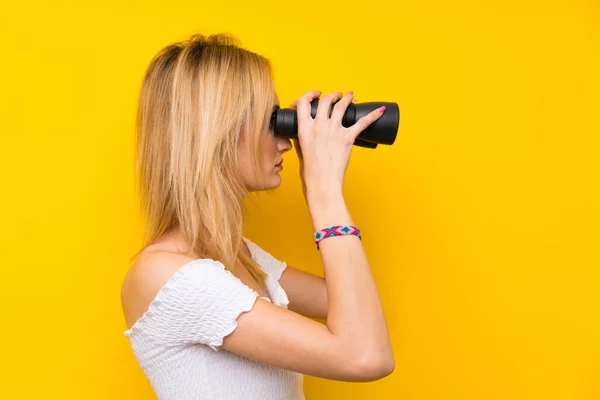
244	158
271	146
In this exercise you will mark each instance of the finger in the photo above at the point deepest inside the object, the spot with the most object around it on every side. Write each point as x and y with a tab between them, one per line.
365	121
340	107
325	104
303	106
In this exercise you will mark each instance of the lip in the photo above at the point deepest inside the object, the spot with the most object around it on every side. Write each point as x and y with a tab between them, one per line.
280	165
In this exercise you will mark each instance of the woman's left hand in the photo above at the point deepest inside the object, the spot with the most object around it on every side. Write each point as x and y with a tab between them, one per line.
299	153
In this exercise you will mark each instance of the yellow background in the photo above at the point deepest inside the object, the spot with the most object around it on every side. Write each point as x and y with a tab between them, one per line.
481	222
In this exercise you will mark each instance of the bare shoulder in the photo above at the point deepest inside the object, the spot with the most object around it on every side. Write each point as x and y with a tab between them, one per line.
148	274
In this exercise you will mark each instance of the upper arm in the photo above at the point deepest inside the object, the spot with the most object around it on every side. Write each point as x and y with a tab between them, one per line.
306	292
217	309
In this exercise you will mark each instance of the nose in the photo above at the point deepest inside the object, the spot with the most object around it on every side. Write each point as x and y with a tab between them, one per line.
284	144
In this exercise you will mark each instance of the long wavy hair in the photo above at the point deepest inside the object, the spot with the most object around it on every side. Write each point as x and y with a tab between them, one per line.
197	97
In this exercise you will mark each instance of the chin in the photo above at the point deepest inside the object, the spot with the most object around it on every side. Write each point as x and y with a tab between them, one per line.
269	184
275	182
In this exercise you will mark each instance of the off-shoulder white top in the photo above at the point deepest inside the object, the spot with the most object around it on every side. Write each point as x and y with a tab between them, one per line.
177	342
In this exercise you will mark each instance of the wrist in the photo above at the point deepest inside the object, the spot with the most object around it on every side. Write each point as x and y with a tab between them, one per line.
330	212
320	197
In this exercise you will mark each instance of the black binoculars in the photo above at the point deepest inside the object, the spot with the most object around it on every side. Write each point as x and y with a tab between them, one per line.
284	122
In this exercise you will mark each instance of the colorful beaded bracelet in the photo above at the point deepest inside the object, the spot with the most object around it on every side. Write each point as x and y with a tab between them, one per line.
338	230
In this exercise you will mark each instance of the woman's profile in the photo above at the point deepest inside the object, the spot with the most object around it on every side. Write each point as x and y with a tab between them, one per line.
209	313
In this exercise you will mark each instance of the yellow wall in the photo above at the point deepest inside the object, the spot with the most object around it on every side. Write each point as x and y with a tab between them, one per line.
480	222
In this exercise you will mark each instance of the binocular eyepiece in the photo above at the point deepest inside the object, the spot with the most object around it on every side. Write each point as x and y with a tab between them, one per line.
284	122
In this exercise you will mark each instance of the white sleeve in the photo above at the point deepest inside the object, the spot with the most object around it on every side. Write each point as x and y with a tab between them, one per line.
269	263
199	304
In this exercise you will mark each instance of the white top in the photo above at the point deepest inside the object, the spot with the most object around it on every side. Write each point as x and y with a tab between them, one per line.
178	340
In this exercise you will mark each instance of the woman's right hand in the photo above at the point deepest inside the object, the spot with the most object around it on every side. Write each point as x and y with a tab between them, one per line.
325	144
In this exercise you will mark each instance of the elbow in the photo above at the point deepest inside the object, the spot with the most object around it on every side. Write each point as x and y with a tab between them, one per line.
374	369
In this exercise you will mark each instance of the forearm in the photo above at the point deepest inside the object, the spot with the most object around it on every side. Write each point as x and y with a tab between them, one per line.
354	314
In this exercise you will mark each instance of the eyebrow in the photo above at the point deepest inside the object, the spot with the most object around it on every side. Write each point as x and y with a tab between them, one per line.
275	107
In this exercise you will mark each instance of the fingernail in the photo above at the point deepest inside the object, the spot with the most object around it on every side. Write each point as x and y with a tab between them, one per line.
355	101
350	92
382	109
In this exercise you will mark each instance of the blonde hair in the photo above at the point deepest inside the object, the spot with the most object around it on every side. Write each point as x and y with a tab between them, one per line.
197	97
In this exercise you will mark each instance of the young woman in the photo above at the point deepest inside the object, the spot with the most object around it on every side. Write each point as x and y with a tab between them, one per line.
210	314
